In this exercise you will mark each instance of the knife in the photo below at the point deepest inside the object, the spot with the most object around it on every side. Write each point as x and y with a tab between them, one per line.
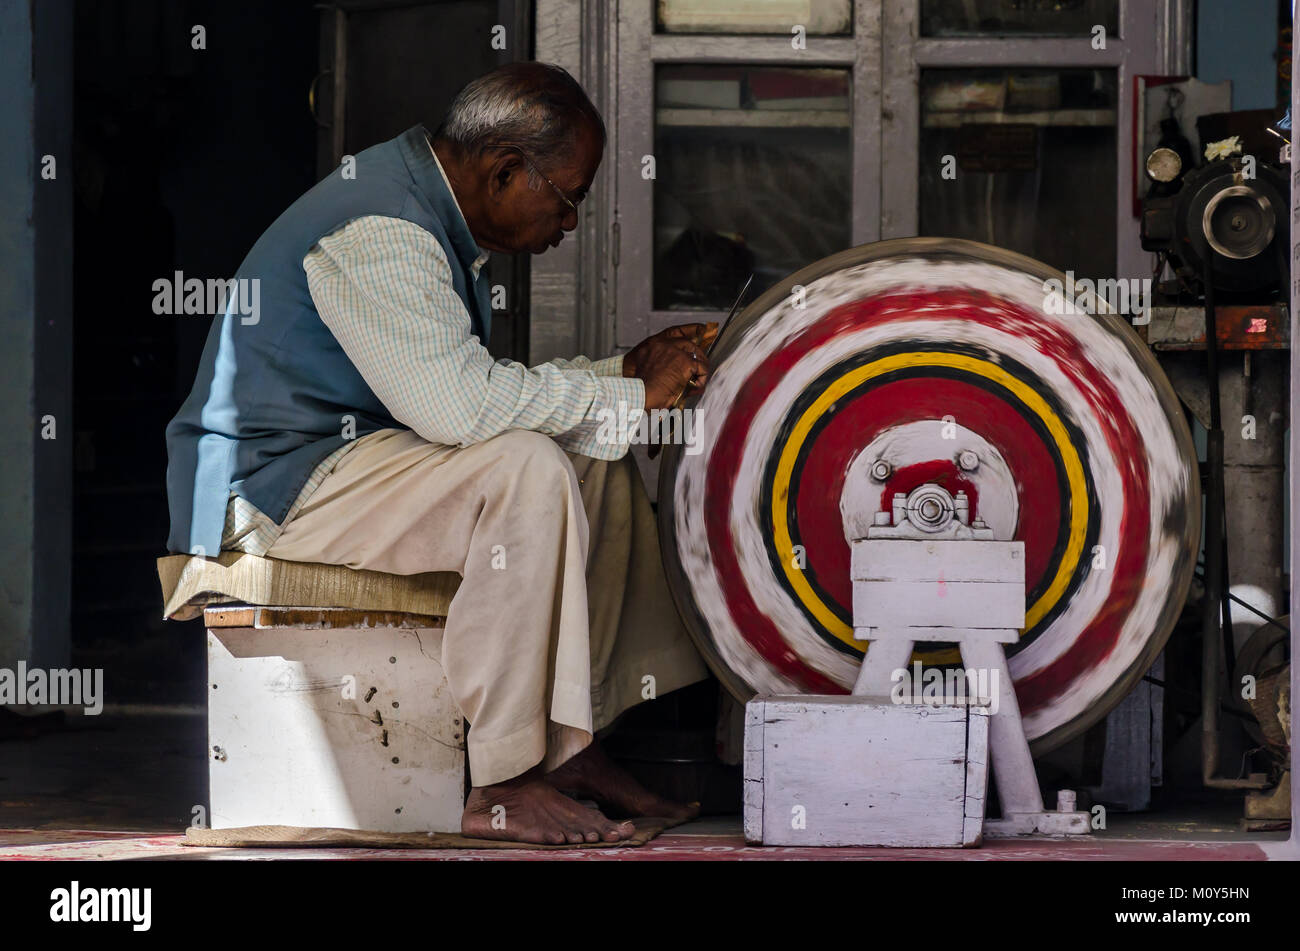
653	451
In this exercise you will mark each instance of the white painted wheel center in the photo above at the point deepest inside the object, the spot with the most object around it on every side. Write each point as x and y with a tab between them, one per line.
929	440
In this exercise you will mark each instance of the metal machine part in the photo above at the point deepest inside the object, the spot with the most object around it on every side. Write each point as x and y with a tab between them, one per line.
1225	229
1239	222
1228	219
1164	165
927	512
912	352
912	444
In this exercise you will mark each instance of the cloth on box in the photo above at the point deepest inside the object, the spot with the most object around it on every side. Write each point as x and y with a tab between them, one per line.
190	583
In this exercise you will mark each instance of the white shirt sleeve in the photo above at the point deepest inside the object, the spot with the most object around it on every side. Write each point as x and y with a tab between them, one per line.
383	286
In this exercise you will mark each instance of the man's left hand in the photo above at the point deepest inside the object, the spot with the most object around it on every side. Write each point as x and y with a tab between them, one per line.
645	358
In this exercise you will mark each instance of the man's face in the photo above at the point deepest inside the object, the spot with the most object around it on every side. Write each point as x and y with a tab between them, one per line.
533	220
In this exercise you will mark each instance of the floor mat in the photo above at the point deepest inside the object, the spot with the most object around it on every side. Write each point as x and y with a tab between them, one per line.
298	837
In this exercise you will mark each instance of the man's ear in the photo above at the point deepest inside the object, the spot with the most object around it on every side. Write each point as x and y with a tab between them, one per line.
504	166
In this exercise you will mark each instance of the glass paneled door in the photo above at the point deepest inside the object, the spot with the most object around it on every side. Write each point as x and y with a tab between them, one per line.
1018	17
1022	159
746	144
753	166
757	136
1019	115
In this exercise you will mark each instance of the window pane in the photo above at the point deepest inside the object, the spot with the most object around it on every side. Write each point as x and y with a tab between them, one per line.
752	176
817	17
1018	17
1023	159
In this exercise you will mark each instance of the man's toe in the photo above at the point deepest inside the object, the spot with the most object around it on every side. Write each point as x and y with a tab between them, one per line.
617	831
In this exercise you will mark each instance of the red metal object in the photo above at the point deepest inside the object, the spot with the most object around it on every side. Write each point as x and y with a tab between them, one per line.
1237	327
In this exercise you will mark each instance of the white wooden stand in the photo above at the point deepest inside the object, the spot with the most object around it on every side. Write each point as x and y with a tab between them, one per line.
331	717
1013	766
921	573
880	768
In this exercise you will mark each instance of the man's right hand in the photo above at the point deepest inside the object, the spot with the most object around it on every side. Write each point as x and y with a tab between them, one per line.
671	363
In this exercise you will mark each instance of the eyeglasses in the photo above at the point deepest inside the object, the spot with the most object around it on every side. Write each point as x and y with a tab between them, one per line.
573	206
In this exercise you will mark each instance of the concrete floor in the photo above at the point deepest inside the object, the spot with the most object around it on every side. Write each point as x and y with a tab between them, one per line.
121	787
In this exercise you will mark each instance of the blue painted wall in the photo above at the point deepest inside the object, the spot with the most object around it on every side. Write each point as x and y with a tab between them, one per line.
17	297
36	321
1237	40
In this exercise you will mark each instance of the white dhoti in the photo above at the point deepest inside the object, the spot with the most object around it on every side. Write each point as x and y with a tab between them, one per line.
563	618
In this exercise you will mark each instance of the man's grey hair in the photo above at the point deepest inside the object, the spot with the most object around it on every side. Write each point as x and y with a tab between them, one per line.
536	107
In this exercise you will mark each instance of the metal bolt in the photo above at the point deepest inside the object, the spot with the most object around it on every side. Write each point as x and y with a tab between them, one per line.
1066	800
881	470
967	460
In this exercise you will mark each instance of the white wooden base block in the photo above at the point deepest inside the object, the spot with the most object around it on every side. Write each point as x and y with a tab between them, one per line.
856	770
1039	823
349	728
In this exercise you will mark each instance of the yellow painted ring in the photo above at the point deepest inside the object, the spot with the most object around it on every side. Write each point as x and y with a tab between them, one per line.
856	377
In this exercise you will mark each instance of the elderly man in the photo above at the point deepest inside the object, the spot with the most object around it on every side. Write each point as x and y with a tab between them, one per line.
357	419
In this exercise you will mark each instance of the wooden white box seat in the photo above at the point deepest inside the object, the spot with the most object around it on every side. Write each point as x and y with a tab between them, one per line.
324	715
331	717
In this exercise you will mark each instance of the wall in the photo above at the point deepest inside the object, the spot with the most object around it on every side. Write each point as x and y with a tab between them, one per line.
36	316
184	156
1237	40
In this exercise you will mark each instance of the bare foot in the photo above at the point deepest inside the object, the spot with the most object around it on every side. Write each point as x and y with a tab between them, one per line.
593	774
531	810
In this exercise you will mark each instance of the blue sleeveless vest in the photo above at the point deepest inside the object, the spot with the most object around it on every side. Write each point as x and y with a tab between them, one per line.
270	395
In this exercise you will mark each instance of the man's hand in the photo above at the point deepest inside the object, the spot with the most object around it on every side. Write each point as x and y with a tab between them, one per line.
671	363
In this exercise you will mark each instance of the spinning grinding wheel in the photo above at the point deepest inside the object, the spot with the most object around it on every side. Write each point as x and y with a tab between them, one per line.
945	362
